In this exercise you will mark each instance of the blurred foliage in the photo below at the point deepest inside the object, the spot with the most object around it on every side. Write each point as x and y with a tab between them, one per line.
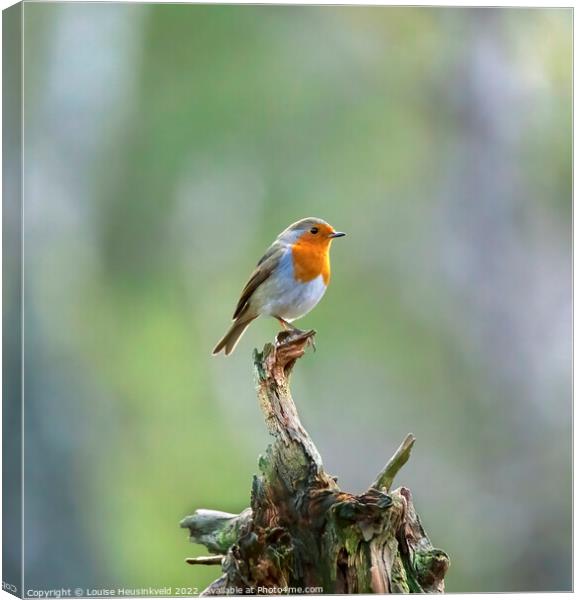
166	147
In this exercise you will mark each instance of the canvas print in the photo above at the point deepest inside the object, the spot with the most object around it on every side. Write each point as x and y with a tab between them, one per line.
287	299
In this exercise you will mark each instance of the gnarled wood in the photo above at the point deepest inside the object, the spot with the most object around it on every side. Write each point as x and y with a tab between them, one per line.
302	533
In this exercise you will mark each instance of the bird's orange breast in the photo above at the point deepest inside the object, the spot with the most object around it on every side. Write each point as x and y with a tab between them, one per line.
310	261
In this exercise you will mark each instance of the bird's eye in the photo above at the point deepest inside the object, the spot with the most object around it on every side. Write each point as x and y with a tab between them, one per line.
314	230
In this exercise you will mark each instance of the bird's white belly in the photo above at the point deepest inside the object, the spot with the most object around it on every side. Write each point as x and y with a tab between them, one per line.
284	297
300	299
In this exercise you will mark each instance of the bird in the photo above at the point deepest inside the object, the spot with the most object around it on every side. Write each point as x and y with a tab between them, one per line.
288	281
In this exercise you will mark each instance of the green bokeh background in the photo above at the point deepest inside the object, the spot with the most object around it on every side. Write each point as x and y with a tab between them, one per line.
165	148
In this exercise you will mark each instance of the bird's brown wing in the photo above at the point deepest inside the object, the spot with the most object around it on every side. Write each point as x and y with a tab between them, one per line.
273	250
267	263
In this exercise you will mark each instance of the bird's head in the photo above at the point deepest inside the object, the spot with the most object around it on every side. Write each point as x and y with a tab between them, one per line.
310	231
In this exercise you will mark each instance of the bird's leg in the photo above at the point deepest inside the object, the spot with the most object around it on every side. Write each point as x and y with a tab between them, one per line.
284	323
288	326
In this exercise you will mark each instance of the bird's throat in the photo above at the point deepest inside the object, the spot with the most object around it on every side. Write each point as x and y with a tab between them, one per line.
311	261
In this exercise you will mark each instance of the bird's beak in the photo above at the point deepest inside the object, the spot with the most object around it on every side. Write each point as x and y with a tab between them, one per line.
336	234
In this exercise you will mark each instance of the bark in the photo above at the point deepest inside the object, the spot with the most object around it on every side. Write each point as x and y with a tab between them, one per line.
302	533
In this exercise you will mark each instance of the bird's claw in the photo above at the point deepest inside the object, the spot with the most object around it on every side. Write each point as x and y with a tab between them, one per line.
311	338
293	334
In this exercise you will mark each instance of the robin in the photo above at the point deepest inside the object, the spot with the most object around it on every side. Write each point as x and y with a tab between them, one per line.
288	281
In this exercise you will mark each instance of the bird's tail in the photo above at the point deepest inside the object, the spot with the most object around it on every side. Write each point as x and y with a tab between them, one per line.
230	339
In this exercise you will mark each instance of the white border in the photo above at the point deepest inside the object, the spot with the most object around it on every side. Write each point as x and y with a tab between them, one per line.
447	3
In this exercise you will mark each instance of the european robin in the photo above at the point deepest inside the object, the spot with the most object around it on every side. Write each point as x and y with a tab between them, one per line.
288	281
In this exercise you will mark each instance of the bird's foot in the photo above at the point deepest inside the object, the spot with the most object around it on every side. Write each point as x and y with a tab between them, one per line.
312	340
293	334
296	335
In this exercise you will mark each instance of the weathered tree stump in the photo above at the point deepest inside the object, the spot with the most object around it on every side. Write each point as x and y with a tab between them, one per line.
302	534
